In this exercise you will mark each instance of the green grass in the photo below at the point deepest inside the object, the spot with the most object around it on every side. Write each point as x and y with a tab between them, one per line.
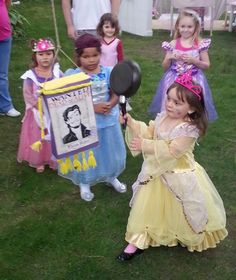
49	233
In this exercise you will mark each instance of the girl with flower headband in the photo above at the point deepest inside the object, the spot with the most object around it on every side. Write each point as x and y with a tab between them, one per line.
186	52
174	200
43	69
110	154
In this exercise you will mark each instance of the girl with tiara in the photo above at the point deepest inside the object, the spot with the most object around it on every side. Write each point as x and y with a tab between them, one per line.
43	69
186	52
174	201
110	153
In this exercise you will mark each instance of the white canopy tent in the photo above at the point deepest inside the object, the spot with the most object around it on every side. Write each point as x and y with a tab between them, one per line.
136	15
220	6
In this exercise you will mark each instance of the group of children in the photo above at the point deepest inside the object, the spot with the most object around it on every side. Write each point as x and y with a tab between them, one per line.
174	201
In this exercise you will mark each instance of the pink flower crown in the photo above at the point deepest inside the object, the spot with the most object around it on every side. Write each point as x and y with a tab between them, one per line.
186	81
43	45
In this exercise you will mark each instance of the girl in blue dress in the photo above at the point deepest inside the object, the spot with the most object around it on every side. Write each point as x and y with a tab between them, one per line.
110	153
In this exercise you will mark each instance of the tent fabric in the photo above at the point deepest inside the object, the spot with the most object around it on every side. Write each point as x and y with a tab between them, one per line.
163	7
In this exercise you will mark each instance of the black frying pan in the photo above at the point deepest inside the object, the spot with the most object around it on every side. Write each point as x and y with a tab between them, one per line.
125	79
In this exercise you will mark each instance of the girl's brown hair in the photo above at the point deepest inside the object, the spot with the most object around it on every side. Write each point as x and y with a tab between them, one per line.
198	117
108	17
192	14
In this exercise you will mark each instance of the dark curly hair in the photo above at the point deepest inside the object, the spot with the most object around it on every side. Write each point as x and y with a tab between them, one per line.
108	17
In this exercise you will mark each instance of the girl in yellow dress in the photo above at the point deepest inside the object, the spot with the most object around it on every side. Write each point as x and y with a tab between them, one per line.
174	200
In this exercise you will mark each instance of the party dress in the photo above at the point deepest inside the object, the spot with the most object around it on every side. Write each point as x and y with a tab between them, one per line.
174	200
110	154
112	52
179	67
31	126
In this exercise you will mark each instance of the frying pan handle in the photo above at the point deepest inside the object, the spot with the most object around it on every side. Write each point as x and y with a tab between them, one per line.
122	102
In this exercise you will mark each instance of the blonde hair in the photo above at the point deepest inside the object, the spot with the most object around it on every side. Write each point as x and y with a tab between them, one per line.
194	15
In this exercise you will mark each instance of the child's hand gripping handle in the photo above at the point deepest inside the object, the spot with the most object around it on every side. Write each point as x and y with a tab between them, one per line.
122	102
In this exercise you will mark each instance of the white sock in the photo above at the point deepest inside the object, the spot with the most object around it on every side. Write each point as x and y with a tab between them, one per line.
85	192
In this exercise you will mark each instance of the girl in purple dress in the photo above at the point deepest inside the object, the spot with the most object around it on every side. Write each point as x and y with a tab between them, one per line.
43	69
187	52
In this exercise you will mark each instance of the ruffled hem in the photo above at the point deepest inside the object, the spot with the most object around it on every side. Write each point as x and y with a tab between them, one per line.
144	240
210	240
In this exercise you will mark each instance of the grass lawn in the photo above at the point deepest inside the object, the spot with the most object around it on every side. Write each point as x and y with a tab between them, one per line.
49	233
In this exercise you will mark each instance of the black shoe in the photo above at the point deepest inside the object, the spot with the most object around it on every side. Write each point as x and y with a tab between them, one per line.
128	256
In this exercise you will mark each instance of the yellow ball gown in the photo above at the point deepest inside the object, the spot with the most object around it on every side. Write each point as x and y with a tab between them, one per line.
174	201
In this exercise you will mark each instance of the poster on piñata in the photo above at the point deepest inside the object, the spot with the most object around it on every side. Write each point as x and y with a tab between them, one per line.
70	106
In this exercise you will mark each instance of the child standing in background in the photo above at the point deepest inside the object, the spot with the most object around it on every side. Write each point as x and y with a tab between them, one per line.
174	201
186	52
43	69
111	47
110	154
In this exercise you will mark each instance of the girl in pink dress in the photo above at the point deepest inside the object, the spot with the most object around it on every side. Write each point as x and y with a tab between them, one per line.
112	48
43	69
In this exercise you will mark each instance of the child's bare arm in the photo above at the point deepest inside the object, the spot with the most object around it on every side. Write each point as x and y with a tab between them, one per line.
203	62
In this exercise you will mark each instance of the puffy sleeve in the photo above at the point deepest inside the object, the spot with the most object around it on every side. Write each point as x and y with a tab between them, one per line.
138	129
162	155
57	73
205	45
175	148
185	129
72	71
181	139
30	97
167	46
107	71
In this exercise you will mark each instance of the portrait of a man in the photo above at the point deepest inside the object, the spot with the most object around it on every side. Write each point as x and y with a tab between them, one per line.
77	130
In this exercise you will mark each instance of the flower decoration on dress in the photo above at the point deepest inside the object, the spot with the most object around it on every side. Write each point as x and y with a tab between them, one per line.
167	46
98	77
186	81
43	45
205	45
